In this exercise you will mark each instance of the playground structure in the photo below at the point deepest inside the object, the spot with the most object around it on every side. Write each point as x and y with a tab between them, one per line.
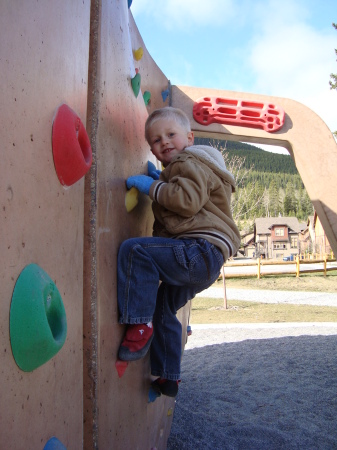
90	57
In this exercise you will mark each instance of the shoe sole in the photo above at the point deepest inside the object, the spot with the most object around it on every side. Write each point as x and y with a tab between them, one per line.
125	354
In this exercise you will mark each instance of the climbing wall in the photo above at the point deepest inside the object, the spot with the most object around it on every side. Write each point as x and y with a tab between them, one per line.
44	51
126	85
78	85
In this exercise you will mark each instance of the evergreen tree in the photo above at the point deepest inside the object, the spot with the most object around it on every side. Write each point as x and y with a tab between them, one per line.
289	202
299	206
287	205
274	203
307	205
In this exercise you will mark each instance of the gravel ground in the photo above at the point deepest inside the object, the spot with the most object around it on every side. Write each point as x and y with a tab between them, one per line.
266	296
259	386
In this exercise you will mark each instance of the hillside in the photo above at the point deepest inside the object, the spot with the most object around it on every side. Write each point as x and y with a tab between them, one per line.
262	160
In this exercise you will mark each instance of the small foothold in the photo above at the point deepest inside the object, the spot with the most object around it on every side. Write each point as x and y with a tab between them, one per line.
135	83
153	395
131	199
138	54
121	367
189	330
147	97
165	94
170	412
54	444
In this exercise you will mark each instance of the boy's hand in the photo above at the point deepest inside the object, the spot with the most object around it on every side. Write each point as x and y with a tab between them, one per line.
140	182
152	171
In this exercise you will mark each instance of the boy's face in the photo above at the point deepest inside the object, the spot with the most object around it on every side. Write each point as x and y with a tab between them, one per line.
167	139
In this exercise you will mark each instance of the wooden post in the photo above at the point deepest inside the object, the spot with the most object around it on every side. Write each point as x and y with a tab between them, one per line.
325	265
224	287
297	267
258	268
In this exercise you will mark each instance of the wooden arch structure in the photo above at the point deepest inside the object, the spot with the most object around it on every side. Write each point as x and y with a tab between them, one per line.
304	134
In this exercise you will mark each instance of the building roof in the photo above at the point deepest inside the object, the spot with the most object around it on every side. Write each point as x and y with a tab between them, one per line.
263	224
303	225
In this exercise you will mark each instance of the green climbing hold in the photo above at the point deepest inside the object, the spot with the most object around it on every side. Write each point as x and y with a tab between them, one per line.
38	324
147	97
135	83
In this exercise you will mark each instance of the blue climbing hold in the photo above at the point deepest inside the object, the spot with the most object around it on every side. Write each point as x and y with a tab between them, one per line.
189	330
153	395
129	3
165	94
54	444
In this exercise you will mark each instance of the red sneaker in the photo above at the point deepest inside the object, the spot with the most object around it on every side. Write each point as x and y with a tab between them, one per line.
136	342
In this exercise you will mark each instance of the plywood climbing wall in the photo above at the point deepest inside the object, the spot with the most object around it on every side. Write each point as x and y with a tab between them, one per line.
116	410
44	51
59	239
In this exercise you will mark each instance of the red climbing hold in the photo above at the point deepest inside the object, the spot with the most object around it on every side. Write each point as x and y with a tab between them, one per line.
244	113
121	367
71	146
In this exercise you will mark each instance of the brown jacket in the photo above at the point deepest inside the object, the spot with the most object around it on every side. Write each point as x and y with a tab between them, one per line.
192	199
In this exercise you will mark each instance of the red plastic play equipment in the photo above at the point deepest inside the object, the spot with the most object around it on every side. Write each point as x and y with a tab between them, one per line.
243	113
71	146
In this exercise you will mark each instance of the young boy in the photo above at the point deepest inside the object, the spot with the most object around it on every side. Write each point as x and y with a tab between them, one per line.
193	234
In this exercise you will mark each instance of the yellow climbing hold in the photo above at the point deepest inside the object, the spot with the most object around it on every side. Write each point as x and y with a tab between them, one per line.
138	54
131	199
170	412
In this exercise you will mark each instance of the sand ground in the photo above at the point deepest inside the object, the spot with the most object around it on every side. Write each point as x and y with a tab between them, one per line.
258	387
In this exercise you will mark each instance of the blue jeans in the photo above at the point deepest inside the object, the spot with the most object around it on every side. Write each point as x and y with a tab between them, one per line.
184	267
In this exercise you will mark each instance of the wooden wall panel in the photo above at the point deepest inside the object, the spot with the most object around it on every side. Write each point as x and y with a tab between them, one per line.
116	410
44	62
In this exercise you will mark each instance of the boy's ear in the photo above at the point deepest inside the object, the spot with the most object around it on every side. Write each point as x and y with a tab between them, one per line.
190	138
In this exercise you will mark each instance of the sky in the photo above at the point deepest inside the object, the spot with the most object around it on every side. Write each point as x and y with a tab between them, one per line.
278	48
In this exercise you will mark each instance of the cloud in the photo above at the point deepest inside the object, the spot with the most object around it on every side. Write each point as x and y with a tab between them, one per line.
295	58
289	58
186	14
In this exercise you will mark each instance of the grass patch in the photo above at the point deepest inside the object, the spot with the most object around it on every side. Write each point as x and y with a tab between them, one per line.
210	310
314	282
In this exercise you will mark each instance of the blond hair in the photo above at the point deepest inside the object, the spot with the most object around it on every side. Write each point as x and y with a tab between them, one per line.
167	113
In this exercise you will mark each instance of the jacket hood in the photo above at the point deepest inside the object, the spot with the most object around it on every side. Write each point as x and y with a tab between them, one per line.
214	160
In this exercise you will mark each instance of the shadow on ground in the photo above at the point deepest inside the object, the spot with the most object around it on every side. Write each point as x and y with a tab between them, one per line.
261	394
